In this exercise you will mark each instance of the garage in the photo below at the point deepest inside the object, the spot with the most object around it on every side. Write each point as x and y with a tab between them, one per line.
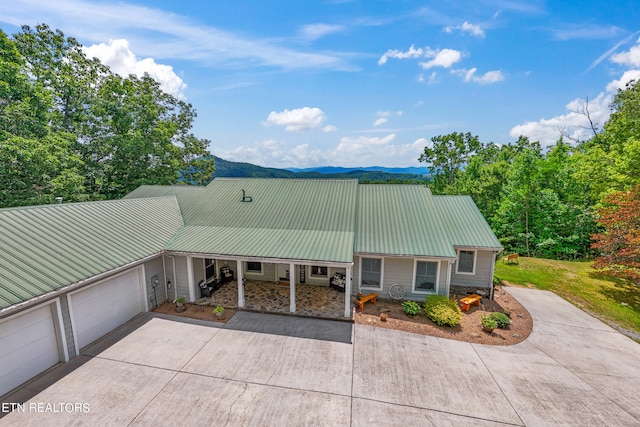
106	305
28	346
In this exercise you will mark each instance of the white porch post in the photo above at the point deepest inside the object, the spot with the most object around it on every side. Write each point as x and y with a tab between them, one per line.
240	285
449	267
190	279
292	288
347	293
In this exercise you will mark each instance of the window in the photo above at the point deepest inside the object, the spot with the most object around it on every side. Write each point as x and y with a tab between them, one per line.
209	269
371	273
426	276
317	270
254	267
466	262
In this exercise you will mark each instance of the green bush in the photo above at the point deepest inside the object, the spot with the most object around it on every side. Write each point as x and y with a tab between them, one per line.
442	310
488	322
501	319
411	308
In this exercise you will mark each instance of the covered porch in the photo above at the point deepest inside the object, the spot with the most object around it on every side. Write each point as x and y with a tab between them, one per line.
275	297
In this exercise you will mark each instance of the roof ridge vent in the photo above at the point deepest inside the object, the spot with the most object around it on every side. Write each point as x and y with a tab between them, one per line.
246	198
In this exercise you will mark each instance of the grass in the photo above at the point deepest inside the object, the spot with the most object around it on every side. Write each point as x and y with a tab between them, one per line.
602	296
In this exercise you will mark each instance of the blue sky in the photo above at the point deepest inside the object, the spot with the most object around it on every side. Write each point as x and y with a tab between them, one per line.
360	83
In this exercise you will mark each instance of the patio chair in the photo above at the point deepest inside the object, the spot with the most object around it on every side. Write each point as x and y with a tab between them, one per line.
205	290
337	282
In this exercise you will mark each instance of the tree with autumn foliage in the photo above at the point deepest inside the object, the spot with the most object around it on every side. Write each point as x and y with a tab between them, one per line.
619	244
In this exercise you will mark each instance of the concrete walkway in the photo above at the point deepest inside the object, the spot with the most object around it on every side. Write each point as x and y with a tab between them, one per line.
572	370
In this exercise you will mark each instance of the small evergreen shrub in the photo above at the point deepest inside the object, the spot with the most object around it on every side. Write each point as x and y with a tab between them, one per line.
502	320
411	308
442	310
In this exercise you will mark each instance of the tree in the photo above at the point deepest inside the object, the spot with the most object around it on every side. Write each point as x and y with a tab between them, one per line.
447	156
619	244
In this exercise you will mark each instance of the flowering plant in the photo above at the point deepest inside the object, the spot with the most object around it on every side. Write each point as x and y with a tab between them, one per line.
359	295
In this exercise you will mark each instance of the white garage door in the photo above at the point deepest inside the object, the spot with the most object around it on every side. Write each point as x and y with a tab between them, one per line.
28	346
105	306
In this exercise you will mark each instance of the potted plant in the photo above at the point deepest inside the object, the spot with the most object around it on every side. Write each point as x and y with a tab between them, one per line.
488	324
359	296
218	310
180	307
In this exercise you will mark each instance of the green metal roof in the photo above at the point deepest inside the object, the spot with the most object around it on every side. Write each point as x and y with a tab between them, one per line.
44	248
400	220
464	223
311	245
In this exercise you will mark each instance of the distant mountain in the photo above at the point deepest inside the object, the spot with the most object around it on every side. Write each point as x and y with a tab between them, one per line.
226	168
337	169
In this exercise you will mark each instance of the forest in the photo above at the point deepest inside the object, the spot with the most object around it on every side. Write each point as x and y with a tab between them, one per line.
70	127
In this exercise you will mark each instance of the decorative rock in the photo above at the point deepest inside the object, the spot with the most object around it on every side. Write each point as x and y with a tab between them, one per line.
516	335
383	317
181	308
475	335
481	292
624	304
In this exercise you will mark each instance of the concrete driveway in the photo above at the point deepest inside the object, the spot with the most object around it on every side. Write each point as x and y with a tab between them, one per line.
257	370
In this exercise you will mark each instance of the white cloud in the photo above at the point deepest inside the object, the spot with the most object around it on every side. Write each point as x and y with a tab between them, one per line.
123	61
466	27
575	124
380	121
157	33
316	31
329	128
630	58
620	83
397	54
350	151
441	58
297	120
469	76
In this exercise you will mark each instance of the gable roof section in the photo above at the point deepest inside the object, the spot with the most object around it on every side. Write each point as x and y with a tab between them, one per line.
400	220
464	223
298	219
48	247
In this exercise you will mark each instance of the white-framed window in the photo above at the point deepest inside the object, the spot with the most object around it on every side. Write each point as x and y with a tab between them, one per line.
425	276
466	262
371	273
254	267
319	271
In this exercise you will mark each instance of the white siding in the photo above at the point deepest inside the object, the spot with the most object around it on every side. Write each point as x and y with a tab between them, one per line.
482	277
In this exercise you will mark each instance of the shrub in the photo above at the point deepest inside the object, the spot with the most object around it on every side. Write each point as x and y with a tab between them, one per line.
488	322
502	320
442	310
411	308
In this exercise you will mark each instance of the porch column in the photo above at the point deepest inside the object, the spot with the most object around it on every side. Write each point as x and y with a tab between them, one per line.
292	288
190	279
347	293
240	278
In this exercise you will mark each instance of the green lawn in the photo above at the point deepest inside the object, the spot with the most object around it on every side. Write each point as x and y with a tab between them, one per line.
575	281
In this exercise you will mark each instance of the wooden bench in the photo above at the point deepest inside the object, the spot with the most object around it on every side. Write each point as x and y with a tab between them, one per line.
360	302
511	259
467	301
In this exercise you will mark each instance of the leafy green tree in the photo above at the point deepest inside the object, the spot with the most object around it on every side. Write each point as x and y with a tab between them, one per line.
514	216
447	156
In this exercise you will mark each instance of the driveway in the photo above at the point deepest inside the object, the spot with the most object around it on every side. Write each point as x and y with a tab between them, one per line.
259	370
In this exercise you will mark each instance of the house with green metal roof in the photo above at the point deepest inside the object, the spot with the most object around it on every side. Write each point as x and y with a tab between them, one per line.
70	273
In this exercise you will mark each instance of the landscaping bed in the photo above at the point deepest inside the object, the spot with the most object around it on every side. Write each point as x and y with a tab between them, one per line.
195	311
470	327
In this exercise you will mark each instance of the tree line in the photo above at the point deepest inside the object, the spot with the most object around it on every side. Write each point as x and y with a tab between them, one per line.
70	127
558	201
